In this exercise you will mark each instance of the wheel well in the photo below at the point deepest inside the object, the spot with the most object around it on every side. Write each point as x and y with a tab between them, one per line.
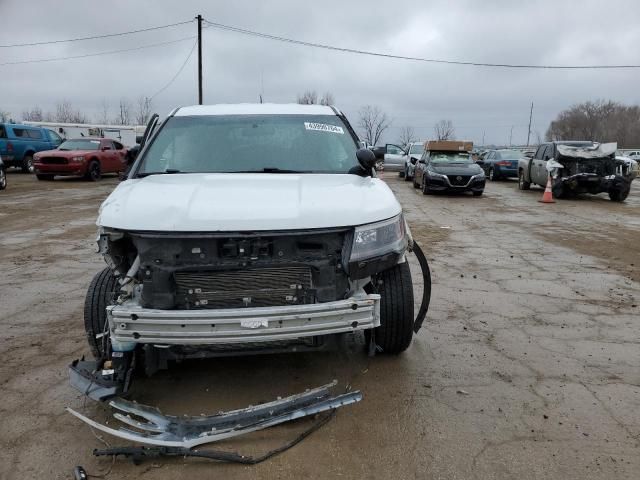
28	152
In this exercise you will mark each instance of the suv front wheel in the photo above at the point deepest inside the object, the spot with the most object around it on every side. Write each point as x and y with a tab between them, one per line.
396	309
101	294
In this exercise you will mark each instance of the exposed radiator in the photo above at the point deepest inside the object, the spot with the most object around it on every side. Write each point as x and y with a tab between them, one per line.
260	287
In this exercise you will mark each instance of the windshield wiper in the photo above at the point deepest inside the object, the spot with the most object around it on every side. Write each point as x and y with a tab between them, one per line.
167	171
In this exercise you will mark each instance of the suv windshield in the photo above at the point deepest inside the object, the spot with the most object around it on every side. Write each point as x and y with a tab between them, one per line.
449	157
417	148
80	144
251	143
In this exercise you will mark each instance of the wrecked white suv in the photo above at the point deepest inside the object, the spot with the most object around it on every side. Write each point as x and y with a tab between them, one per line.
249	228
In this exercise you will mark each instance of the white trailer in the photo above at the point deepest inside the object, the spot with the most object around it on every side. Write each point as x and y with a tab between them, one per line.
125	134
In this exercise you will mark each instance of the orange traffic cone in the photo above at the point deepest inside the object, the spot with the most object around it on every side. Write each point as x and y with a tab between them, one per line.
547	196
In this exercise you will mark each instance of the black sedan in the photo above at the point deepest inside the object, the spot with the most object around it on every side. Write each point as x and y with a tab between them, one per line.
448	172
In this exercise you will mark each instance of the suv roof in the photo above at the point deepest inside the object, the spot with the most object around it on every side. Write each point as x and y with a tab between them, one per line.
256	109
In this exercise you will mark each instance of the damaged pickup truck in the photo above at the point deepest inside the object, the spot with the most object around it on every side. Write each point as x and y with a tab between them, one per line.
577	167
246	229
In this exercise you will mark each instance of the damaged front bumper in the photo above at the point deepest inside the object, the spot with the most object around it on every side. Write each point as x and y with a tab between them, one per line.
130	324
149	426
592	183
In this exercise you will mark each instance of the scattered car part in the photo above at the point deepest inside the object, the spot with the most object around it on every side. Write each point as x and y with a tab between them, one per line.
154	428
140	453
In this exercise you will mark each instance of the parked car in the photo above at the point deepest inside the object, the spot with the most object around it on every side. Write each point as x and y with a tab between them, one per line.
393	157
19	143
414	153
446	166
3	175
634	154
577	167
88	157
249	226
499	164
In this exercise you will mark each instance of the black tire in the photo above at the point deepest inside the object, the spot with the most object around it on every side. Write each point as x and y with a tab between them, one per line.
401	174
477	194
415	185
424	188
522	184
492	175
44	176
101	294
396	309
3	179
406	175
93	171
27	163
557	189
618	195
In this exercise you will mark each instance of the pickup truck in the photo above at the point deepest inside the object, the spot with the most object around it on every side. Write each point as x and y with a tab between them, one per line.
19	143
577	167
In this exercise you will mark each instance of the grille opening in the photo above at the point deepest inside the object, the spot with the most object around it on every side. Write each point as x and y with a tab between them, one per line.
260	287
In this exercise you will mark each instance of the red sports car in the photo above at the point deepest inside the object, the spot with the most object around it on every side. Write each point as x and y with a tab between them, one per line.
88	157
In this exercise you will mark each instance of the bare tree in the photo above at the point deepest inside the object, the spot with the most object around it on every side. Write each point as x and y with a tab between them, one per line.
103	116
407	136
124	112
4	116
309	97
327	99
33	115
444	130
143	111
373	123
66	114
604	121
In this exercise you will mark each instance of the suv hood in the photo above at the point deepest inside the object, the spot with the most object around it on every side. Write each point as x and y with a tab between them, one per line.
199	202
64	153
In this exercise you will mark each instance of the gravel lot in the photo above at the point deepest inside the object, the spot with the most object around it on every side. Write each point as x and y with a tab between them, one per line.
528	365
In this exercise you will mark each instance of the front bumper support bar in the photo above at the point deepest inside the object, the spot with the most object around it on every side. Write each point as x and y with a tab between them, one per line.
151	427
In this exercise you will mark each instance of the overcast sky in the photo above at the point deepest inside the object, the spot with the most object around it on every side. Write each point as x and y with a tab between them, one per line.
237	68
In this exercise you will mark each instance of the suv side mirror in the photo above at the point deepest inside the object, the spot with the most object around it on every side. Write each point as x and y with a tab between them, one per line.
413	161
366	158
422	160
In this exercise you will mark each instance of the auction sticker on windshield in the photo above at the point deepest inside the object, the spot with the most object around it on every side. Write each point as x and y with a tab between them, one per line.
323	127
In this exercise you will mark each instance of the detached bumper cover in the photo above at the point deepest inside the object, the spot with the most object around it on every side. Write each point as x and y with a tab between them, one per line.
151	427
131	324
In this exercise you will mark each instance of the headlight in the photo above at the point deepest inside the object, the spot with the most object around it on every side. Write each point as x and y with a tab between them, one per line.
77	159
377	246
479	176
434	174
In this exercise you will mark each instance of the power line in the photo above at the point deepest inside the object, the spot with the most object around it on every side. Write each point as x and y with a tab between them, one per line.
177	73
108	35
56	59
416	59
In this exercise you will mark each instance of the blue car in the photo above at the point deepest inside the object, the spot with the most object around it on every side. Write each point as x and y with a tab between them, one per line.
498	164
18	144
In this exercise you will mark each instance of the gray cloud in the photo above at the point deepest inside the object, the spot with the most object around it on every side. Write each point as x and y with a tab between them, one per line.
478	100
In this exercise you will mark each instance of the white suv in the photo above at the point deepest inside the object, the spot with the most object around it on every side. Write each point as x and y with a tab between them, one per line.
251	227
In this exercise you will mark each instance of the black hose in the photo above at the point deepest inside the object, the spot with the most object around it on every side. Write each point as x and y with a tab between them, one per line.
426	292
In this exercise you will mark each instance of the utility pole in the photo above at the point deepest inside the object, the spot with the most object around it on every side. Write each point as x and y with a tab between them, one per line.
529	131
199	18
511	136
483	138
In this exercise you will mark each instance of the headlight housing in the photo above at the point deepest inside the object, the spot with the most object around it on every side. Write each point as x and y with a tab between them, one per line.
78	159
377	246
431	173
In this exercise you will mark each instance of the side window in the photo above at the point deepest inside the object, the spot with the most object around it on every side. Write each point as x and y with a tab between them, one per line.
548	152
3	132
20	133
394	150
107	144
54	137
118	145
36	134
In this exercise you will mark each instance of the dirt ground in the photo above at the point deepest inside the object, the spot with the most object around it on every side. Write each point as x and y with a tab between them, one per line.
528	365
